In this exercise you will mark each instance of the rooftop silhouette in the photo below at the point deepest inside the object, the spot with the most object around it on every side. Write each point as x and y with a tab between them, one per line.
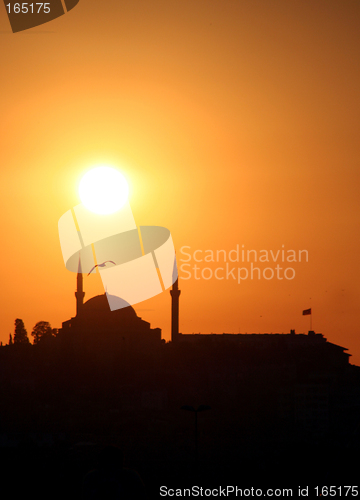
107	377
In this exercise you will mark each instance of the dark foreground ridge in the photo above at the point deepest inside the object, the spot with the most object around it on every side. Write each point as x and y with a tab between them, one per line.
106	397
282	407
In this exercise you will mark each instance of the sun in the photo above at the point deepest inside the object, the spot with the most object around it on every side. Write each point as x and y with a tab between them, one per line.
103	190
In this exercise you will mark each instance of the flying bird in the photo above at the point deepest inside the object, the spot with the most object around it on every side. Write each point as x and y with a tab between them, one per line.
101	265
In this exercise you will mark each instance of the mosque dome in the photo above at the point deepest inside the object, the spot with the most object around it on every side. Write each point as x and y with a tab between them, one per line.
100	304
96	313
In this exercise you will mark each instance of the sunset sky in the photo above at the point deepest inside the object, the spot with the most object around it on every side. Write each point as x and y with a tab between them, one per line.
235	122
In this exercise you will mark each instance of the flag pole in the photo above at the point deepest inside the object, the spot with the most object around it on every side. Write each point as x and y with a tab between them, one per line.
308	312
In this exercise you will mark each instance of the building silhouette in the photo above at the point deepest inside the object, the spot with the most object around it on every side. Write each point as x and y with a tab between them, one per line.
313	345
96	324
282	405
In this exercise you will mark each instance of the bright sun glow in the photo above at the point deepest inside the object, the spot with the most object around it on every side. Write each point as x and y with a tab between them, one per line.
103	190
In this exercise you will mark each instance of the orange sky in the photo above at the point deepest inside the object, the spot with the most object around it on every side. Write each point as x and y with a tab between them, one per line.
236	123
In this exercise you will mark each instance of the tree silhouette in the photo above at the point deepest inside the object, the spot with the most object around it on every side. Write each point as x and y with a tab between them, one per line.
42	331
10	339
20	335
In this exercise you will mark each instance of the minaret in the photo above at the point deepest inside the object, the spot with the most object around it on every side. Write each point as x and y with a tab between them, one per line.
79	294
175	294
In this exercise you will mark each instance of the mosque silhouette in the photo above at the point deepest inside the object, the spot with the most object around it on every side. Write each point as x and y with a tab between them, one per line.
280	405
94	322
122	328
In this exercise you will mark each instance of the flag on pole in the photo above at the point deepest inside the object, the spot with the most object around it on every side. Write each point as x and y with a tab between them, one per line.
306	312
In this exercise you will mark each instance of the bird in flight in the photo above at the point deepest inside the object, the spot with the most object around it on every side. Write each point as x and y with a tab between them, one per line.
101	265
